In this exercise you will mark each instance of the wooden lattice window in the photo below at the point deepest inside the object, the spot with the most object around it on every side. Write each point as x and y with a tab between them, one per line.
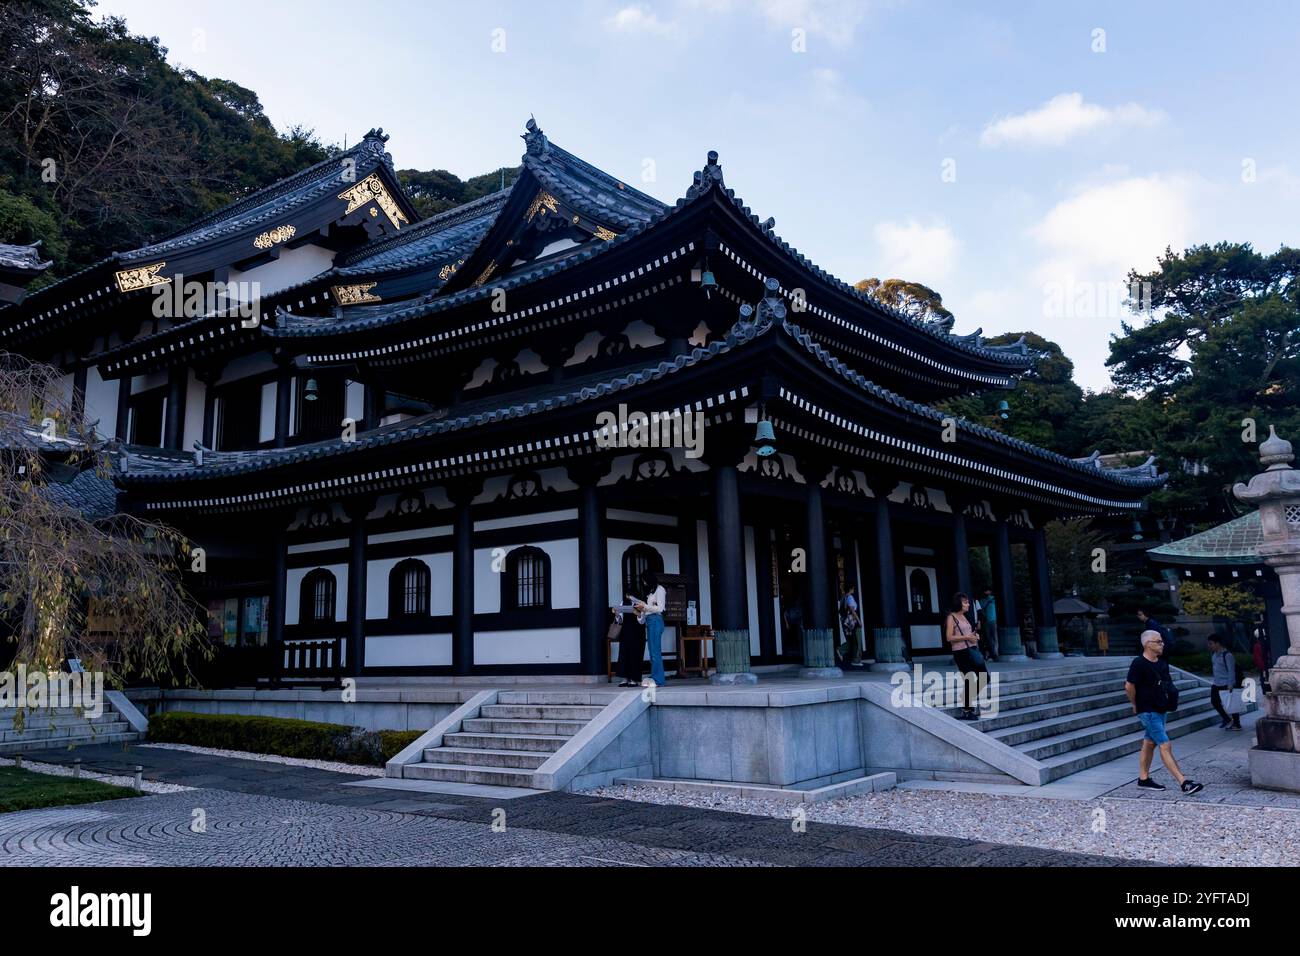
526	583
408	589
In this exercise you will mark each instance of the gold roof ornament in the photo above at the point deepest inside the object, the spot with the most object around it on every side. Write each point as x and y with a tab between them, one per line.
606	234
544	200
372	188
449	269
143	277
273	236
355	294
486	274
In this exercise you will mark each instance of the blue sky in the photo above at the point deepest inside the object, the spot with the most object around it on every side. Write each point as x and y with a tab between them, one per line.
1007	154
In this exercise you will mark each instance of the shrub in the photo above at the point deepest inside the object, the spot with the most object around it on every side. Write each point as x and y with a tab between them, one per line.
283	736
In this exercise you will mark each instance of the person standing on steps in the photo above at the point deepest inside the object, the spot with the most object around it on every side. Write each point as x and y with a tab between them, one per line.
631	648
989	624
650	612
961	637
1151	691
1224	679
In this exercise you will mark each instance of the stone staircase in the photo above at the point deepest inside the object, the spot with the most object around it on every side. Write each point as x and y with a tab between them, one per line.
62	727
510	739
1073	717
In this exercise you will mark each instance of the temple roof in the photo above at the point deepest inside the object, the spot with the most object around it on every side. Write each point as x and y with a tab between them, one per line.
141	465
1234	542
22	260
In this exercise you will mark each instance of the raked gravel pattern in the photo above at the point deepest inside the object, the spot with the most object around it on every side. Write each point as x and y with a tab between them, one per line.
59	770
1185	833
356	769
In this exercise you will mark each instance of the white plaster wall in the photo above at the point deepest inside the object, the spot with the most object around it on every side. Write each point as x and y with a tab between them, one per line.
354	403
192	430
555	645
702	548
294	586
101	403
266	427
564	577
408	650
440	581
293	266
751	587
616	547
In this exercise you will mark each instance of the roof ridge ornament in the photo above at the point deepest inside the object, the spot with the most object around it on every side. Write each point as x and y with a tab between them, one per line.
706	177
535	141
755	321
376	133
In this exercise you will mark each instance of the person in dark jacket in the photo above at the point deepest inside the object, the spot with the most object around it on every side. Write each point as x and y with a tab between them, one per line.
1224	679
1148	685
631	649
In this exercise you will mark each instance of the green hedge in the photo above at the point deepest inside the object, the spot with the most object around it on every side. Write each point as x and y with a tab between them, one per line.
283	736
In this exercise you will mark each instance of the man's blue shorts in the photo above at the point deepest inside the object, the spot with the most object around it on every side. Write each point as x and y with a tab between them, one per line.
1154	724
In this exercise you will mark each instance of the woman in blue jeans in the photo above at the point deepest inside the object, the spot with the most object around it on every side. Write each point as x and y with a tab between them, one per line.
650	612
964	643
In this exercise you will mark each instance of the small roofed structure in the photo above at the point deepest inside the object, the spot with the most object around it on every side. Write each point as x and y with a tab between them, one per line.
19	265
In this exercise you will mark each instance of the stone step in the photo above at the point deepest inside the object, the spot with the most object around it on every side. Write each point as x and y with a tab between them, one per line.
514	725
9	748
82	729
1020	716
582	712
1015	685
538	743
1052	726
594	698
478	757
1106	751
465	773
1086	737
1015	701
43	719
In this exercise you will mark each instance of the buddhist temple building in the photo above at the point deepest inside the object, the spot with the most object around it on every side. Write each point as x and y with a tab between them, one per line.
447	446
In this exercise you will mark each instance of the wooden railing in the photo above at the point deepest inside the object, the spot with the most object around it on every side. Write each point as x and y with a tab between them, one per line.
312	659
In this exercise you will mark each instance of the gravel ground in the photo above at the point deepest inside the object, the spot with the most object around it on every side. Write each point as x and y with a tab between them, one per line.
58	770
1187	834
357	770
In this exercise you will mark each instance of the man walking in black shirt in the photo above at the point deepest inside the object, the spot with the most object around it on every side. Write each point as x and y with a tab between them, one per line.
1150	690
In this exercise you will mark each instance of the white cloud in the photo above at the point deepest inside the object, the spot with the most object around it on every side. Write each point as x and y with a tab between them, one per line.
1061	118
912	251
638	18
1103	231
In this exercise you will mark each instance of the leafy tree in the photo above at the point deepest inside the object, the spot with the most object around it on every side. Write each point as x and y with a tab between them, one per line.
436	190
1232	601
1070	558
59	568
918	301
1220	346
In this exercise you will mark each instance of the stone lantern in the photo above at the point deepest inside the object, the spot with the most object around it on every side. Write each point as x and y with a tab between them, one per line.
1275	758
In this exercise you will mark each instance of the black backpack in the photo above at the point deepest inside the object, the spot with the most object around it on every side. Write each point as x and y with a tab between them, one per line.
1168	688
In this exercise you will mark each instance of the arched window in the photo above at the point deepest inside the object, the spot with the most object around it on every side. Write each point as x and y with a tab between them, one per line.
316	599
526	583
919	585
408	589
637	560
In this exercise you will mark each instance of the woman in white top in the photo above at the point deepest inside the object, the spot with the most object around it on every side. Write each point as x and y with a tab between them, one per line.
650	612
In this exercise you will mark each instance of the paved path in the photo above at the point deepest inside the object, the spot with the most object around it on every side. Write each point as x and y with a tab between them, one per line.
260	813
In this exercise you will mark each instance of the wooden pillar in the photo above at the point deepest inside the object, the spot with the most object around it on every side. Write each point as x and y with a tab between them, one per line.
357	510
374	407
462	563
279	589
887	635
1044	612
174	424
729	601
120	432
767	622
1010	647
283	384
593	566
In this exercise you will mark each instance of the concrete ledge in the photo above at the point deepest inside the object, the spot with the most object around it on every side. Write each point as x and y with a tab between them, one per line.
1275	769
582	748
750	791
414	752
130	713
961	735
